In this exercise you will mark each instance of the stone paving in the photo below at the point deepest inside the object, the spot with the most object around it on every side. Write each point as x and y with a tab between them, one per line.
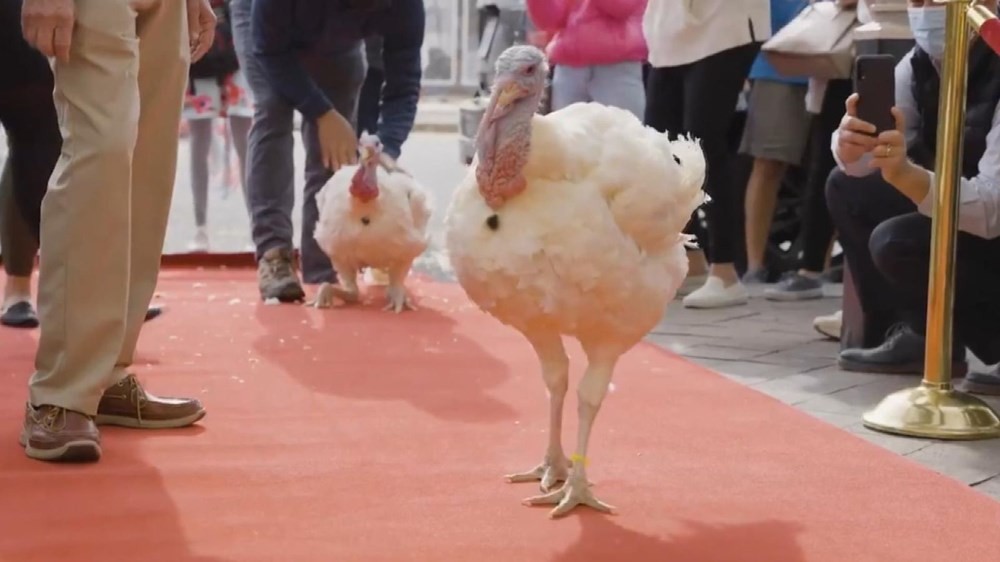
772	348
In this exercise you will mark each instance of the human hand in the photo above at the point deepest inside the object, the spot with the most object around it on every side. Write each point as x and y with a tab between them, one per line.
854	136
201	27
390	164
47	25
889	155
337	141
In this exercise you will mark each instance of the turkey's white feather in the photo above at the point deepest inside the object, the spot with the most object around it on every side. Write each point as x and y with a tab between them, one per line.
593	247
396	229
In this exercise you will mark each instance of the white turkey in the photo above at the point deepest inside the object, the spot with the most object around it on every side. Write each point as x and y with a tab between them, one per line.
571	224
371	218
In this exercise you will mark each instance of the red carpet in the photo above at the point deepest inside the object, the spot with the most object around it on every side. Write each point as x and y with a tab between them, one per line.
357	435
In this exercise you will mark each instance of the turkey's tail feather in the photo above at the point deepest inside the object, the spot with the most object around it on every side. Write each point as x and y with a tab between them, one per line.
691	161
689	241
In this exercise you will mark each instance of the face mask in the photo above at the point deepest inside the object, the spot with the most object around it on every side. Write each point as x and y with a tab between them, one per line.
928	27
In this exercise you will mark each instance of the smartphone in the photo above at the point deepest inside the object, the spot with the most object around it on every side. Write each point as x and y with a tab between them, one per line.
875	84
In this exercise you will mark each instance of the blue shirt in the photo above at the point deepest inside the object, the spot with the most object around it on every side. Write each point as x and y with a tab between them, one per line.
282	30
782	12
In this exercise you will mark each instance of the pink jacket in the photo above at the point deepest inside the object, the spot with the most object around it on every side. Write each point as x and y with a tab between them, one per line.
590	32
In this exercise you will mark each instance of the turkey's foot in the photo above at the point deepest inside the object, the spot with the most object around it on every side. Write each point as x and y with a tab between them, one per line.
575	492
398	300
327	292
324	297
547	473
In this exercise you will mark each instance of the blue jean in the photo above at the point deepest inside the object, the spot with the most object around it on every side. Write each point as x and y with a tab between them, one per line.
618	85
270	165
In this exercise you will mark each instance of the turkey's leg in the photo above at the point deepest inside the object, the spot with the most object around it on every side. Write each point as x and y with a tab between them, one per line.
349	280
327	291
324	297
576	490
555	371
396	291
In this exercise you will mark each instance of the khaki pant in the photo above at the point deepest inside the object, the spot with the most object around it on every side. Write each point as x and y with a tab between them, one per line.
105	215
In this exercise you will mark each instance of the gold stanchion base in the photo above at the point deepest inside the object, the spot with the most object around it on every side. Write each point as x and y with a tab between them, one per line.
934	412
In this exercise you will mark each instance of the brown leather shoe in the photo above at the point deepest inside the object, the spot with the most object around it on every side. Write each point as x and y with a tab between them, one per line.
52	433
127	404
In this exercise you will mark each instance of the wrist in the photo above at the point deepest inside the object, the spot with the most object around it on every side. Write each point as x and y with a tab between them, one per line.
909	179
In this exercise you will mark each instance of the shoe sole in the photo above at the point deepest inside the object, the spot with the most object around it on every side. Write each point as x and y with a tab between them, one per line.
26	323
792	296
135	423
957	371
75	451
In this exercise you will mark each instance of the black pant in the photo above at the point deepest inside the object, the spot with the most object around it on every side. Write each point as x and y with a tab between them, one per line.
887	247
370	101
28	115
700	99
817	226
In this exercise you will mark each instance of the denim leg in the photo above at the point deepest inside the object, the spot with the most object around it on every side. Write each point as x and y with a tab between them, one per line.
270	164
340	77
569	85
619	85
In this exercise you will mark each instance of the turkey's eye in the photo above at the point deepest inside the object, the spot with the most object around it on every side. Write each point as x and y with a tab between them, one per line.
530	70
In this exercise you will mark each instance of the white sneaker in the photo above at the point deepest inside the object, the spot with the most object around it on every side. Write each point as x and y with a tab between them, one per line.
830	324
715	294
199	244
691	284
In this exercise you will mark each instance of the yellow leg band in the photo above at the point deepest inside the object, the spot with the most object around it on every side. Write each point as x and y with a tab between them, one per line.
579	459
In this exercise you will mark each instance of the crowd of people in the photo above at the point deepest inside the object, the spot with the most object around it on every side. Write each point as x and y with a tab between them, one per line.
93	150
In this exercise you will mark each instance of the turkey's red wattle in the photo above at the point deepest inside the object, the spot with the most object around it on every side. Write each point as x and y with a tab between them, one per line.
364	183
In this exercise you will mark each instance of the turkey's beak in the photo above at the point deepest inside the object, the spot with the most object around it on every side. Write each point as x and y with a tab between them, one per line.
366	154
506	94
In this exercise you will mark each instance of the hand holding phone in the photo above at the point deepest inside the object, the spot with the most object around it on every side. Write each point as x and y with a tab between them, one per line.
869	109
875	84
855	137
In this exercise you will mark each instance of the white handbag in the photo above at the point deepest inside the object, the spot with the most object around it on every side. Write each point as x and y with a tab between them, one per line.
818	43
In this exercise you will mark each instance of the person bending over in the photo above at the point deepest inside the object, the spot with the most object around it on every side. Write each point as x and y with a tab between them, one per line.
308	56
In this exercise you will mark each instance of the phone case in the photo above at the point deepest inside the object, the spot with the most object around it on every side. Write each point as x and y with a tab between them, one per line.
875	84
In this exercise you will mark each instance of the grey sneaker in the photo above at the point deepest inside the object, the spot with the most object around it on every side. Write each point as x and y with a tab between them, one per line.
755	277
795	287
276	277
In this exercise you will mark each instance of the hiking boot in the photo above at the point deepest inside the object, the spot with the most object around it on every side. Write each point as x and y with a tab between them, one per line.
127	404
276	277
52	433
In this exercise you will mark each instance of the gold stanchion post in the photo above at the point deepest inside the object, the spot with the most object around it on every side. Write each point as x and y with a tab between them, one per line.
934	409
